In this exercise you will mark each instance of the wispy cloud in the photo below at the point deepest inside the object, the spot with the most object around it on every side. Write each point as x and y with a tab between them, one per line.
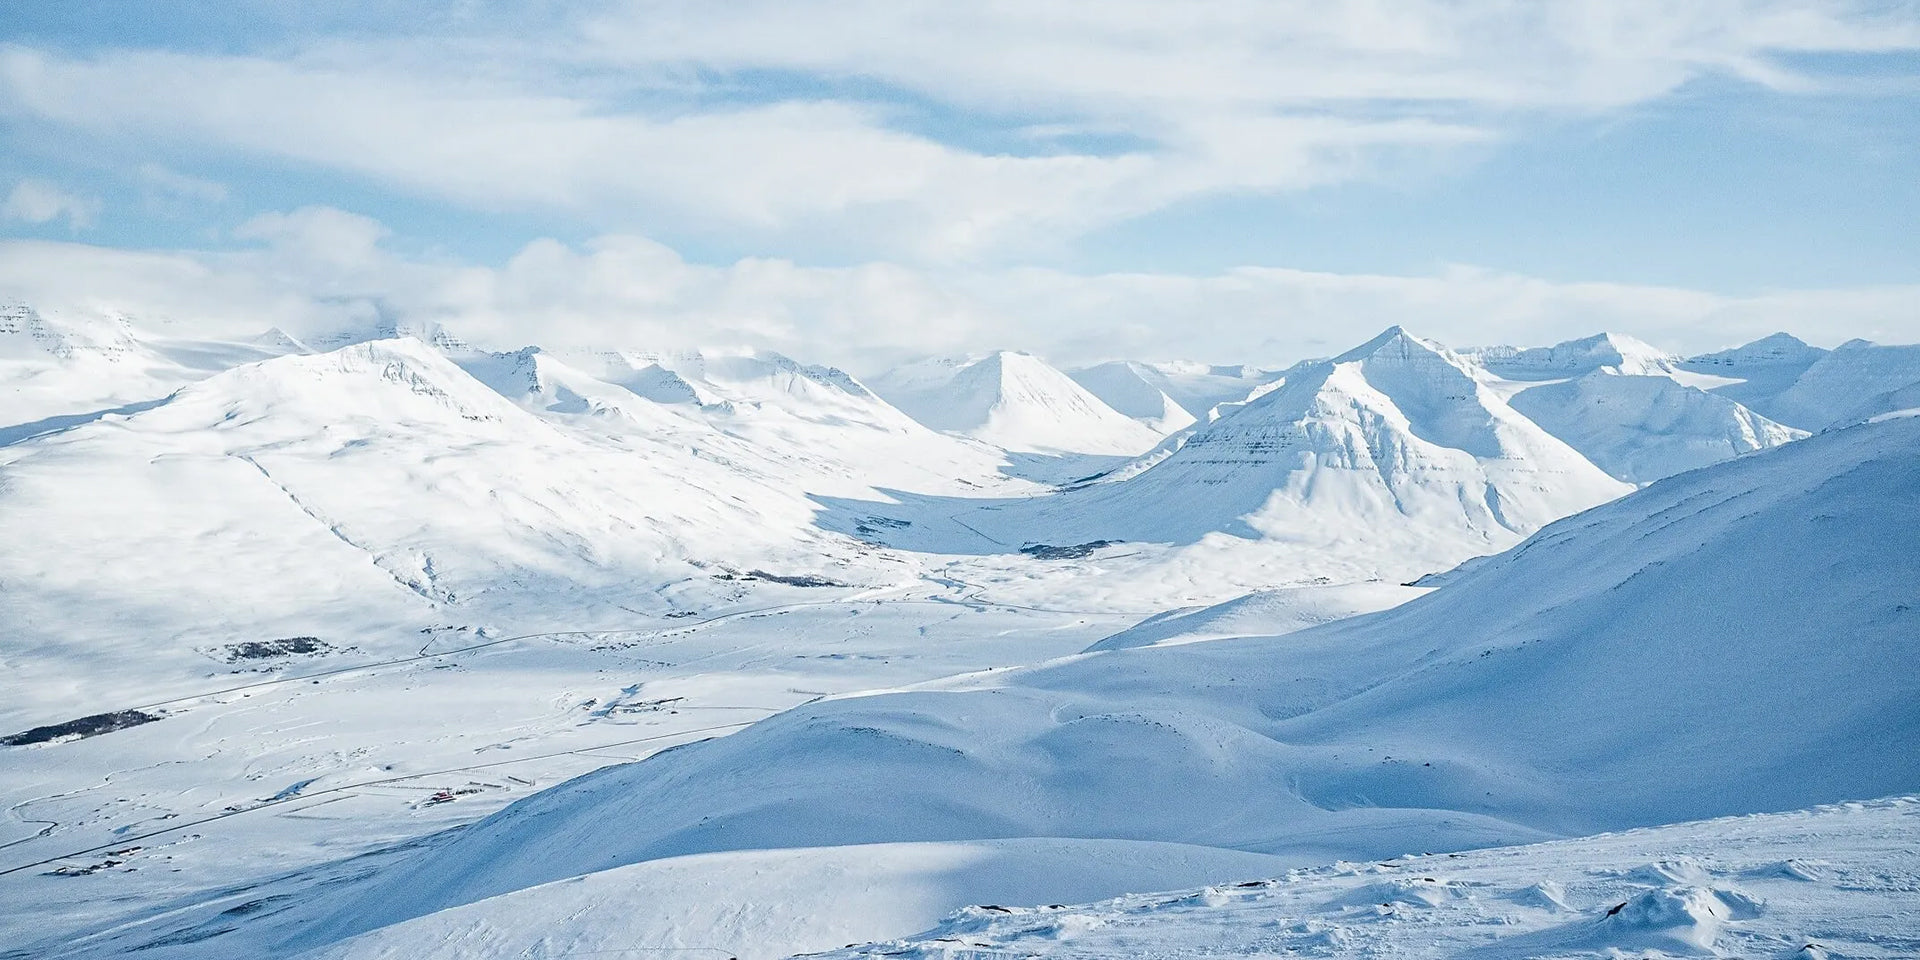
38	201
842	124
171	185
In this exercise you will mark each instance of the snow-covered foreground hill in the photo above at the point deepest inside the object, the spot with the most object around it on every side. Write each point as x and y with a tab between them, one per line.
1831	882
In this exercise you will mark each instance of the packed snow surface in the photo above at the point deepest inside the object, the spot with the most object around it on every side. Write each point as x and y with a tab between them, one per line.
772	903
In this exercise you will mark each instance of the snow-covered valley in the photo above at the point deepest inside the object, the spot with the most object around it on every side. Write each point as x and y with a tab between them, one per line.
356	643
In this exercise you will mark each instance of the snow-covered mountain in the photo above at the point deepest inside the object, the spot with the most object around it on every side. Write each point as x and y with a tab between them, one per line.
1197	388
1604	351
1856	380
1811	388
1397	426
1640	428
1757	372
1392	460
1014	401
1131	389
1201	387
1614	671
56	370
381	484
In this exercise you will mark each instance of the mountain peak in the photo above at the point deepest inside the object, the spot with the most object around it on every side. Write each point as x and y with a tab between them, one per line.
1778	339
1393	340
1017	401
1573	358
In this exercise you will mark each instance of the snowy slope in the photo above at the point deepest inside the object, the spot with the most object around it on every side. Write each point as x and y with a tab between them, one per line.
765	904
1130	388
1642	428
1267	613
1727	641
1015	401
1603	351
1829	882
374	485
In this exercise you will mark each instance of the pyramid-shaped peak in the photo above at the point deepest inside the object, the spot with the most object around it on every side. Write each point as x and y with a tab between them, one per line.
1608	345
1007	362
1394	341
279	341
1780	339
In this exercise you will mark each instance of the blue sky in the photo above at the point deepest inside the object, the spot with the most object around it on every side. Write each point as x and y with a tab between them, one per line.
1735	152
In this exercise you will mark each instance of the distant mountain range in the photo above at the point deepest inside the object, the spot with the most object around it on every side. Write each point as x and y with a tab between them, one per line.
451	475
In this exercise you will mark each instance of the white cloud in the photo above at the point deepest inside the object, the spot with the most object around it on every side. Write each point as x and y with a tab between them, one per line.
38	201
656	116
1133	56
320	269
317	237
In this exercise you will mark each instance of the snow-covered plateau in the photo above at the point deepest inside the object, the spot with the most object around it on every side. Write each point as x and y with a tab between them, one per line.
374	643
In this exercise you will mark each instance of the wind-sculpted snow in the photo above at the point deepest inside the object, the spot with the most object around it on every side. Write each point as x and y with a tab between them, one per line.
1830	882
1730	640
764	904
1642	428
